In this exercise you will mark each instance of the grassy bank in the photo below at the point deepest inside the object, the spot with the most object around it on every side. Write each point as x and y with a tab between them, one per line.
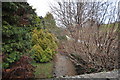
44	70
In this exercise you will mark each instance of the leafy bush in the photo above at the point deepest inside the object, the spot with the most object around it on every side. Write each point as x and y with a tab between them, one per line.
44	45
16	42
18	20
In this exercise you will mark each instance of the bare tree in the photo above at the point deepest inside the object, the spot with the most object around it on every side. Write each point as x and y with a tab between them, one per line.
93	41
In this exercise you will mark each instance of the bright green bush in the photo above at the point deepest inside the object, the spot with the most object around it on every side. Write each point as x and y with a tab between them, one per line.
44	45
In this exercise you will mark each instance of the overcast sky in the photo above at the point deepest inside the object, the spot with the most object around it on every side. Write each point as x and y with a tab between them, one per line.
41	6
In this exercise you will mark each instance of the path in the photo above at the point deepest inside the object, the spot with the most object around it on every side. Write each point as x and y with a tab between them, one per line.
63	66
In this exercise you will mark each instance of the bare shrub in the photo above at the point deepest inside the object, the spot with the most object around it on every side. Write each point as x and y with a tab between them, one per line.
93	44
97	49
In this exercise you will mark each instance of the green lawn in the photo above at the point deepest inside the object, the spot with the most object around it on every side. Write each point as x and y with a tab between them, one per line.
44	70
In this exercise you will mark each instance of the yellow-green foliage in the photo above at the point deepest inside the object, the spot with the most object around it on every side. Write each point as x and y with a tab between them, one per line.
44	45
